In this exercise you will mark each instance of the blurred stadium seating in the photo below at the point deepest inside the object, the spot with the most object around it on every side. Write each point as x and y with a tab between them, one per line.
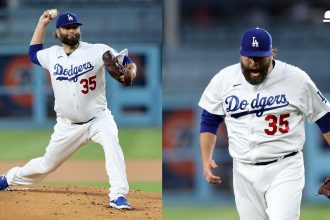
113	21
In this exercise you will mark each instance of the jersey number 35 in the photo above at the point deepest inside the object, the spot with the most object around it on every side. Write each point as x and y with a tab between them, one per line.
277	124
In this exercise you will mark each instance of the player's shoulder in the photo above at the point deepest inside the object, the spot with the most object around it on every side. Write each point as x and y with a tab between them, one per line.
292	71
95	46
50	50
225	77
54	47
84	44
228	73
288	67
231	69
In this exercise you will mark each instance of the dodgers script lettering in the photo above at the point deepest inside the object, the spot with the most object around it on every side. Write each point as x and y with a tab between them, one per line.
71	73
258	105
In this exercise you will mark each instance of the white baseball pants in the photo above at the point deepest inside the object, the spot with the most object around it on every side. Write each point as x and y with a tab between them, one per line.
66	139
269	192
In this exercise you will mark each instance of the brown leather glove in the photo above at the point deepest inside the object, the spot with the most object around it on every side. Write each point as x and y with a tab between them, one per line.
325	188
116	69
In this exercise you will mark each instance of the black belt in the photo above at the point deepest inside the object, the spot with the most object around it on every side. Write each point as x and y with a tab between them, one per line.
272	161
81	123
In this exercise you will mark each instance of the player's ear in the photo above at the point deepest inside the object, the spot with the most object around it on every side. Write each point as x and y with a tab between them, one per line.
274	52
56	34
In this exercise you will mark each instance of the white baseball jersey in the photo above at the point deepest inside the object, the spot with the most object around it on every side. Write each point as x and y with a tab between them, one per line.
79	87
265	121
78	80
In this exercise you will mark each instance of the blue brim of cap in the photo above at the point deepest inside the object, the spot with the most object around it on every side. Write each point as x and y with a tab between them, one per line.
256	53
76	23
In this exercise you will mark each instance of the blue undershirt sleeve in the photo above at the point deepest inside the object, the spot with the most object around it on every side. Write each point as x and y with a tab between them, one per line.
33	49
127	60
324	123
210	122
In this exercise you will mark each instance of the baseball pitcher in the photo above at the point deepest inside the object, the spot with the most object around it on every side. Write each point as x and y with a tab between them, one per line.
77	74
263	102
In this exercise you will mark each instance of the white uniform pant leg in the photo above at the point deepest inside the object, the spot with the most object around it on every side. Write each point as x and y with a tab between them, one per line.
65	140
284	194
249	197
104	132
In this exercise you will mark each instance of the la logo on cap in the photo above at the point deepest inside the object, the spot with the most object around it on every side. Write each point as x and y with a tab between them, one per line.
326	16
255	43
70	18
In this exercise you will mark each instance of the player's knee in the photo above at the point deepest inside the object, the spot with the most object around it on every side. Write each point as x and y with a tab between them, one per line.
48	167
108	140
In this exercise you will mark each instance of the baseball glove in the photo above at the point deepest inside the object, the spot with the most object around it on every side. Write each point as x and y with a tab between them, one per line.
116	69
325	188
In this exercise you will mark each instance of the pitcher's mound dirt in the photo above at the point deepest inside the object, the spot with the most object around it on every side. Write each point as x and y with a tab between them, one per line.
74	202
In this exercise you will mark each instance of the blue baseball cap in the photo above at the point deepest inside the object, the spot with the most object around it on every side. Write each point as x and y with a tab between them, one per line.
256	42
66	19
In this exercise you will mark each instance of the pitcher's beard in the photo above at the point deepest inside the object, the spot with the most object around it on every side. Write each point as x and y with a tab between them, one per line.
73	41
256	76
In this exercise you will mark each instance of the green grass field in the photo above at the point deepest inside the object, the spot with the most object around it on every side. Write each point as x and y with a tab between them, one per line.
137	143
308	212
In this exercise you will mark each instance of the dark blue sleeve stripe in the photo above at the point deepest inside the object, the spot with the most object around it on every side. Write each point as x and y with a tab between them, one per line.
210	122
324	123
33	53
127	60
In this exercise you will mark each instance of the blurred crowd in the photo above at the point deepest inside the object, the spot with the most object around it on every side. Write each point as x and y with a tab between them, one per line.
214	13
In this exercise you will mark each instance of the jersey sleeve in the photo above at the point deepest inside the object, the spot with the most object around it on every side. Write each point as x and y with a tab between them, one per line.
42	56
210	122
314	104
211	99
127	60
33	49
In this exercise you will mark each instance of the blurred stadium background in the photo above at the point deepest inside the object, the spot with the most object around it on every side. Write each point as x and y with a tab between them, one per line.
26	98
200	38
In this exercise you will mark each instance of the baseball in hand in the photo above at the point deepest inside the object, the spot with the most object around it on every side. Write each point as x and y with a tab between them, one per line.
53	13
